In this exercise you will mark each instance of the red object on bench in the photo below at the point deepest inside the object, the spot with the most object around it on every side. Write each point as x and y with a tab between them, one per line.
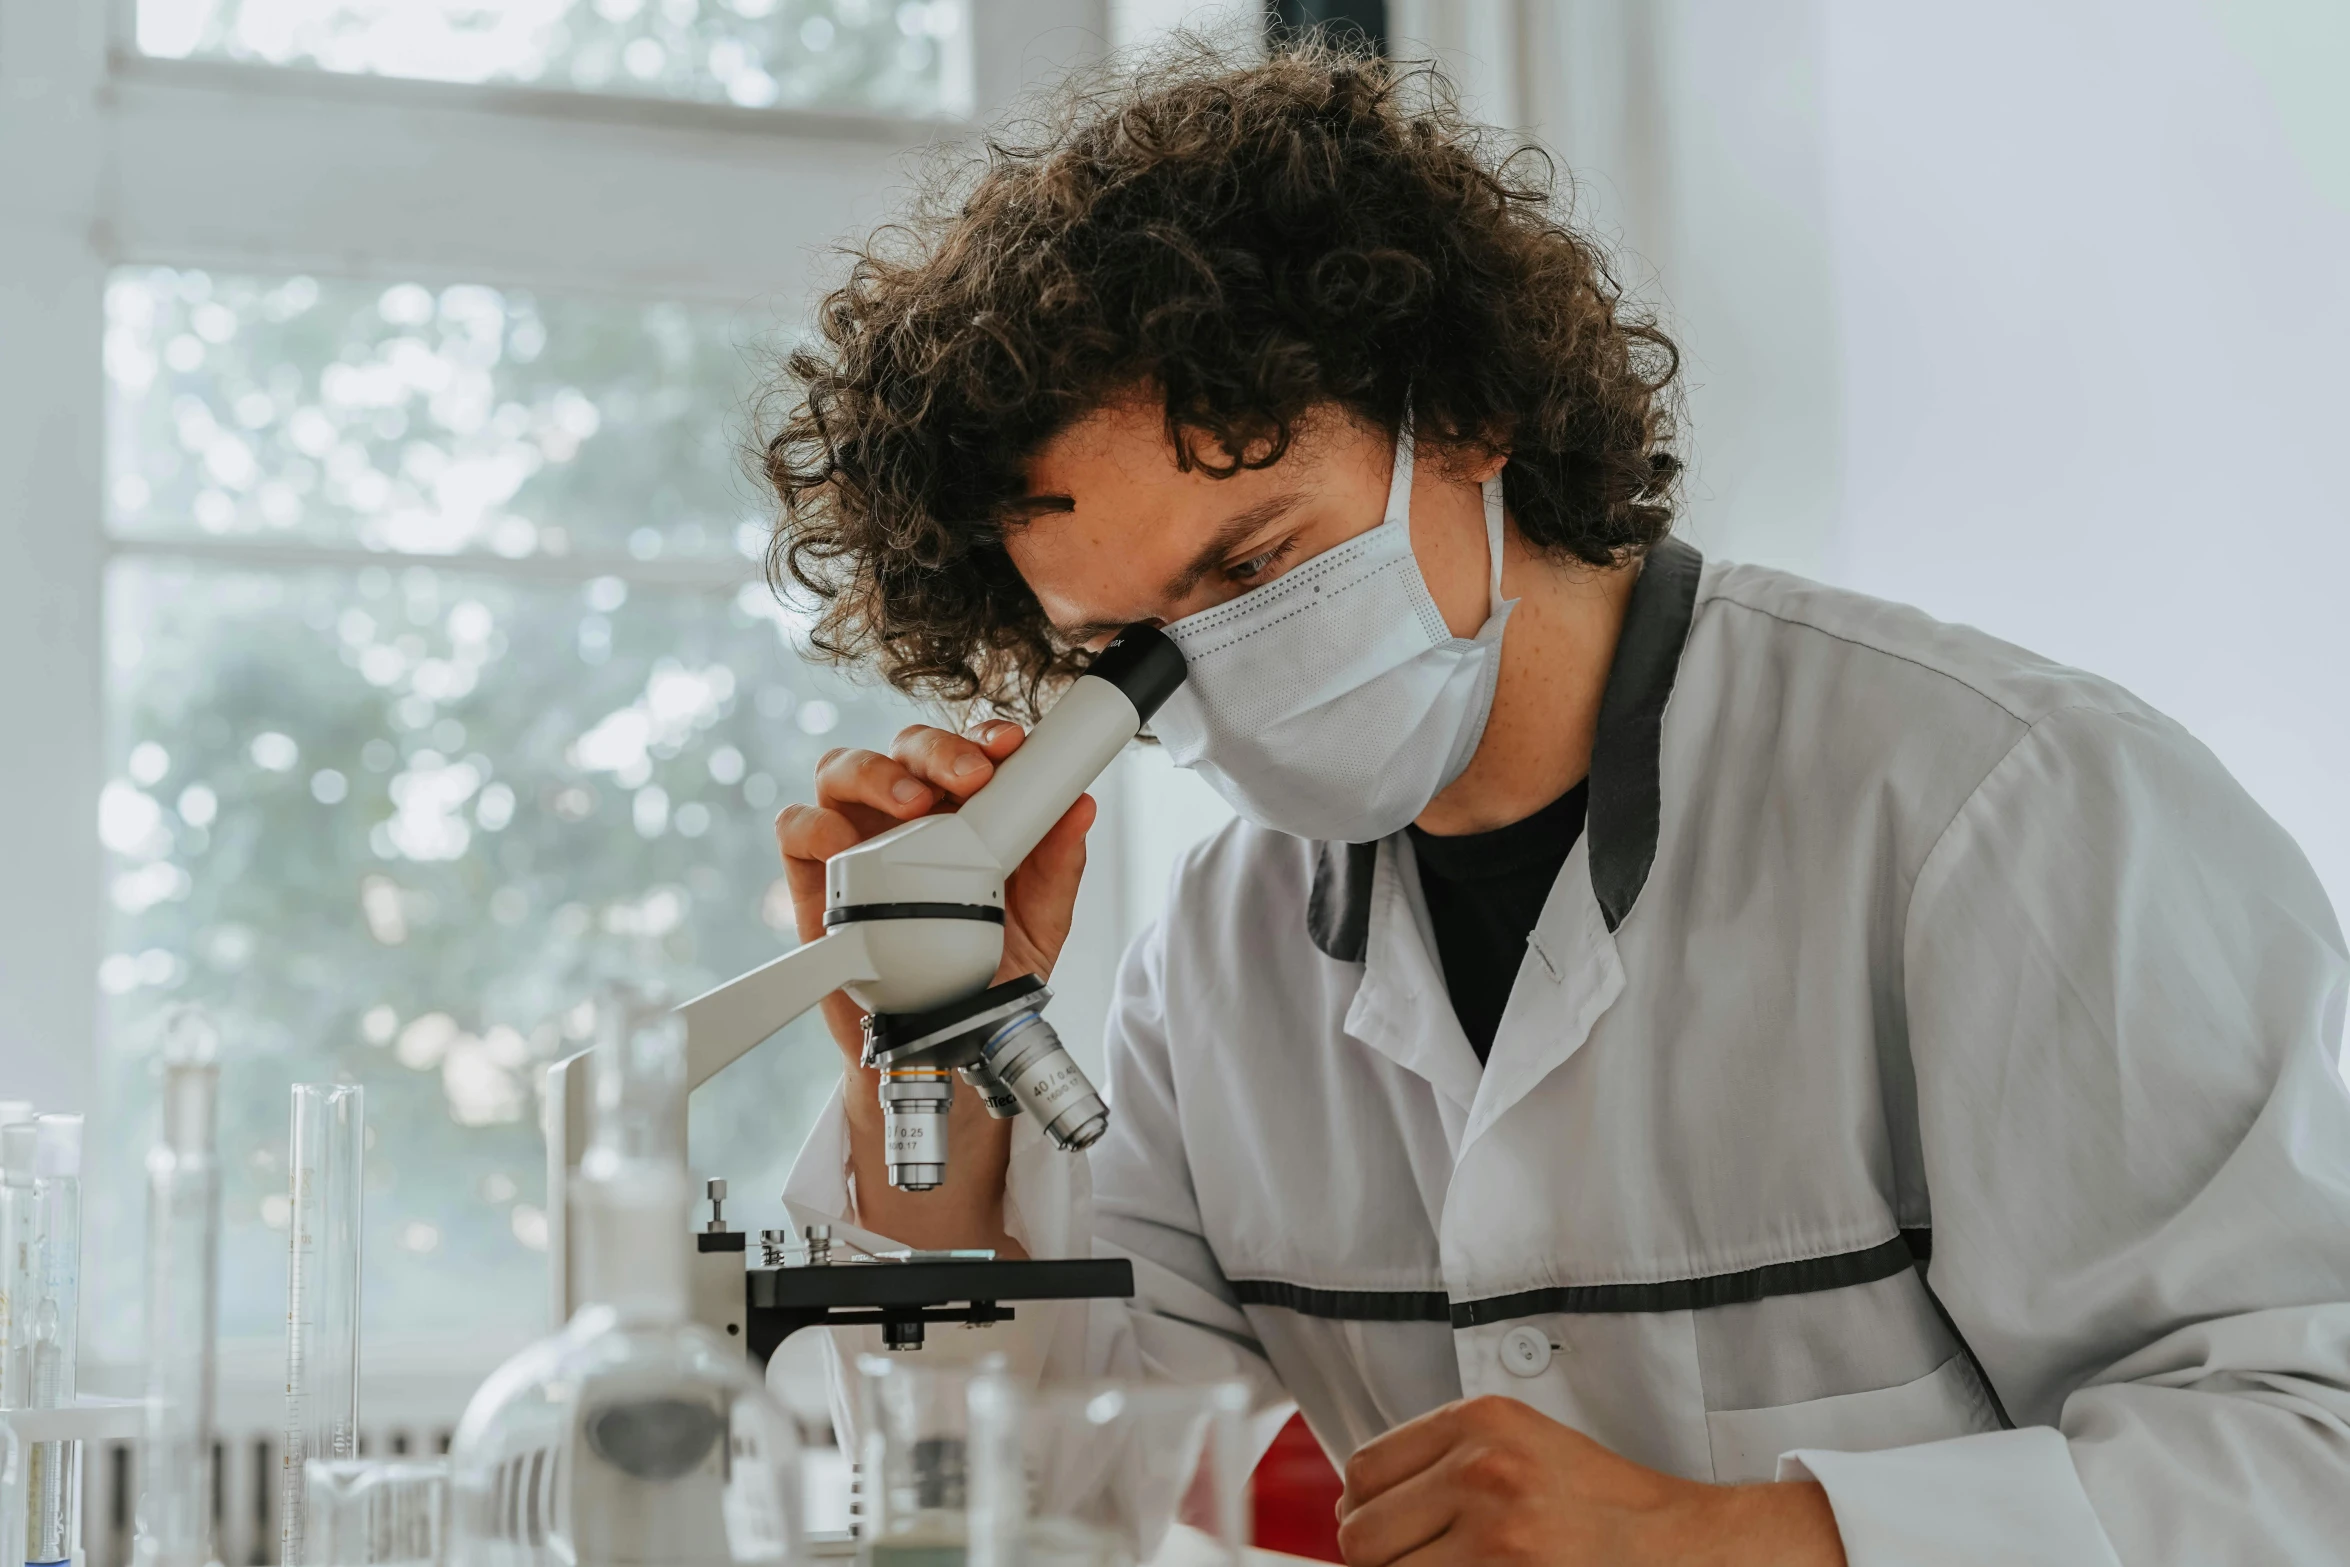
1296	1496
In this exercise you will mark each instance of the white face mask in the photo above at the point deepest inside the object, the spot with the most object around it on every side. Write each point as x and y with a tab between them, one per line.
1333	702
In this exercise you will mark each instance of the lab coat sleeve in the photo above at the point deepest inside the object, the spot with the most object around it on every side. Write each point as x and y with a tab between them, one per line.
2125	997
1183	1322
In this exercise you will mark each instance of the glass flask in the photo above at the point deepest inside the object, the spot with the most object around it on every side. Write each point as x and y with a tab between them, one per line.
913	1459
1109	1474
633	1437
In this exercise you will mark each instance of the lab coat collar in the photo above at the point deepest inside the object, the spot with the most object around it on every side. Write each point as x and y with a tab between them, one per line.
1571	974
1626	793
1401	1009
1621	823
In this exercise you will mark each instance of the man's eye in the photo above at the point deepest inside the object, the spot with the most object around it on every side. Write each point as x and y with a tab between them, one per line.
1257	567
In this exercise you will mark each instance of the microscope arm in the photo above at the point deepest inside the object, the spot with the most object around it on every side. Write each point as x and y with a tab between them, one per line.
721	1026
724	1024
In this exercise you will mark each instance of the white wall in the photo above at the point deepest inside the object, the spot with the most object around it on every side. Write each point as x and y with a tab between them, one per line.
2034	314
2094	312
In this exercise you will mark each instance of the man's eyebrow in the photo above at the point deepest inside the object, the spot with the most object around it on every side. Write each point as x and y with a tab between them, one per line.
1028	506
1230	534
1234	532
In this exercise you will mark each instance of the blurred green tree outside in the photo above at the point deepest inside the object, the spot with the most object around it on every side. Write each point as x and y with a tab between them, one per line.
393	821
883	56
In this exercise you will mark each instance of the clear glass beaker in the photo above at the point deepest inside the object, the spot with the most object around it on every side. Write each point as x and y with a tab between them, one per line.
377	1512
1108	1474
913	1459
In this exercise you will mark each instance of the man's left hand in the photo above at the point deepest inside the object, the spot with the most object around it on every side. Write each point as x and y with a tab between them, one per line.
1490	1480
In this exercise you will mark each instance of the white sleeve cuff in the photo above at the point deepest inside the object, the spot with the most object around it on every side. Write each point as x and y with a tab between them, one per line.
2001	1496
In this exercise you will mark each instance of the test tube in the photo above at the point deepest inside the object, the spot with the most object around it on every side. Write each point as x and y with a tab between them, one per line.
183	1271
53	1472
16	1251
322	1298
17	1137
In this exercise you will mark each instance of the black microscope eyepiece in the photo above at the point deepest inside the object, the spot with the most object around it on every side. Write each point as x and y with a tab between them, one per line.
1142	662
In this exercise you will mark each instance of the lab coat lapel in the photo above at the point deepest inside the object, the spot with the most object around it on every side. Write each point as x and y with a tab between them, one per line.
1571	973
1402	1009
1570	976
1363	909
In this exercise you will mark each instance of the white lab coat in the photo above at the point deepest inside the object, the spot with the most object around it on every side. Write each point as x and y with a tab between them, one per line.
1885	940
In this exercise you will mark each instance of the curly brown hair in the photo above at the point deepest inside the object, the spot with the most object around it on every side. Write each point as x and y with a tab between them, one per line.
1252	243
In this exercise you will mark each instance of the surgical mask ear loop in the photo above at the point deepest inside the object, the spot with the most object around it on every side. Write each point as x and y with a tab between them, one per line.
1399	478
1493	531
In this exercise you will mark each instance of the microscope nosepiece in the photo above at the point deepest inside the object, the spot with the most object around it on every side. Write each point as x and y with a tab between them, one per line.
1027	1057
1001	1104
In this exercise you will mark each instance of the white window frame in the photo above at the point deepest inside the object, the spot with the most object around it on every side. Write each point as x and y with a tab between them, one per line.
108	158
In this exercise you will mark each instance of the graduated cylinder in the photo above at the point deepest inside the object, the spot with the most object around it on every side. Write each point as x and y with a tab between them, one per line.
322	1297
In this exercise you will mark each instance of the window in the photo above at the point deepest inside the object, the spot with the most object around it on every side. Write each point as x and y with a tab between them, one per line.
891	56
380	576
389	812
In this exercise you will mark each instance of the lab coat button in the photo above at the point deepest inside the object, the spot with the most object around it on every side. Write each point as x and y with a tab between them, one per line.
1525	1352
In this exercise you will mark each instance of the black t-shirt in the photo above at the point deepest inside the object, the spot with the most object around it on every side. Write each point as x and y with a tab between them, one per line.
1485	890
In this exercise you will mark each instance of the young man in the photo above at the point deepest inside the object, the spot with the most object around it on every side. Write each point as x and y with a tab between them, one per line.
1677	1063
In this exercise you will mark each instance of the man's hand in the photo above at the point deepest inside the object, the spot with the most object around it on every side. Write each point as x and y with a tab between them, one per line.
1490	1480
860	794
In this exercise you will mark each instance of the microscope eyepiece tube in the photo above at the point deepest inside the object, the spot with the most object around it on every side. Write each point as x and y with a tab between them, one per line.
914	1105
1067	750
1030	1060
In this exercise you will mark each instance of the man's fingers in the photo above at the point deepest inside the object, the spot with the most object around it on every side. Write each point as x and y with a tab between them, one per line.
1399	1521
1453	1548
1390	1459
1041	895
954	764
870	779
1061	851
1000	736
810	835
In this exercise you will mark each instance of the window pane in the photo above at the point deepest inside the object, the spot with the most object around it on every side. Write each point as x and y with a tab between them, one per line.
888	56
394	824
428	421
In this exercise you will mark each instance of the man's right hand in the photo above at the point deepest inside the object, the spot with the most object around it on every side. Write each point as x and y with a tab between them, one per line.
859	795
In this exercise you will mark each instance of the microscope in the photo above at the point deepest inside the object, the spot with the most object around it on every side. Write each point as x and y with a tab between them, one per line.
913	931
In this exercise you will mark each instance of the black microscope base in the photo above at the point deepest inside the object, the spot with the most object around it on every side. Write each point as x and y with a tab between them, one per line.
901	1298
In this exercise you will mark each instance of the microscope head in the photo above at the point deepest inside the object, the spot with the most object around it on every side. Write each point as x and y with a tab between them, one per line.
928	896
914	933
928	899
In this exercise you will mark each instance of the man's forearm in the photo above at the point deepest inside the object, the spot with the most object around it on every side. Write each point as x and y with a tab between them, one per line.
967	1210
